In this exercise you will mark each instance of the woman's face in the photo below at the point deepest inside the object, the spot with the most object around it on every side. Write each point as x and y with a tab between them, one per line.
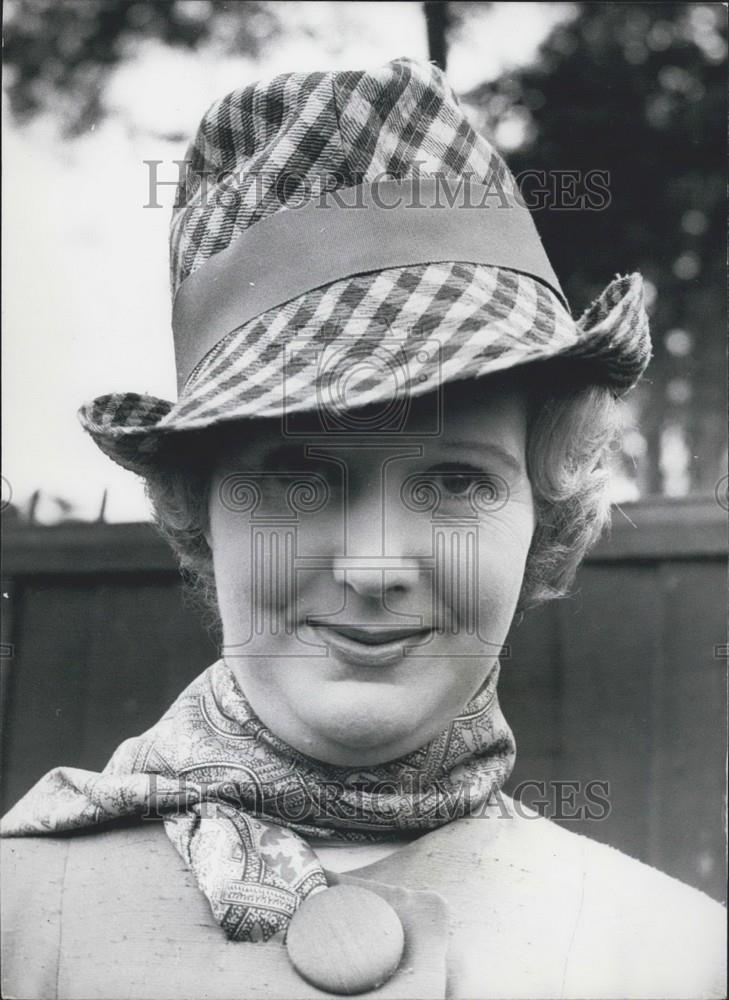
366	582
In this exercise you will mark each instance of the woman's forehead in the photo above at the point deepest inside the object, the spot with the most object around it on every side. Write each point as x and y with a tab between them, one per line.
468	410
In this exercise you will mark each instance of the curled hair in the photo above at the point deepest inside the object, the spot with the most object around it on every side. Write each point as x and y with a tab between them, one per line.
573	428
573	425
178	489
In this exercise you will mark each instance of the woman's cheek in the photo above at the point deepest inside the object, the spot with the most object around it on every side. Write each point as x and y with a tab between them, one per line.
231	548
511	526
504	542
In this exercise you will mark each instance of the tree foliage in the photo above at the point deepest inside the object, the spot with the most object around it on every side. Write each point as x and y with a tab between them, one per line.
60	53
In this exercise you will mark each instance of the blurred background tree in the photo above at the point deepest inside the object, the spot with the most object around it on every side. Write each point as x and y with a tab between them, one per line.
639	90
60	54
636	90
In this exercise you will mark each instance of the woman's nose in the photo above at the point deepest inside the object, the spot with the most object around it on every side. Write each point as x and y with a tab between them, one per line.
376	577
378	556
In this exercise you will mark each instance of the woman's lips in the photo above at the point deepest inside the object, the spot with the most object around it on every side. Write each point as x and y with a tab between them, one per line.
376	635
371	646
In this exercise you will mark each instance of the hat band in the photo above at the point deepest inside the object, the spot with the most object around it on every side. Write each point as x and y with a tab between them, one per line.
395	223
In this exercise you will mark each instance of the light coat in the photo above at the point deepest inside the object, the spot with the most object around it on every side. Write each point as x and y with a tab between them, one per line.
501	907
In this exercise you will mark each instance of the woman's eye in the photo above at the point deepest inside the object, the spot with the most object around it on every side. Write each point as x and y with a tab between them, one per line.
457	480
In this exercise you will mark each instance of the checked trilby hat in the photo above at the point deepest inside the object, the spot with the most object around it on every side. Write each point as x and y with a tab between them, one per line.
347	238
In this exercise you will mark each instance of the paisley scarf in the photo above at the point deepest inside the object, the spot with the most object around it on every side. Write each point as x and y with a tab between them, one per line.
239	804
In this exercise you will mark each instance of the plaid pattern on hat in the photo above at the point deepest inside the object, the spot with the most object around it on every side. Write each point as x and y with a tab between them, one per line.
303	131
264	145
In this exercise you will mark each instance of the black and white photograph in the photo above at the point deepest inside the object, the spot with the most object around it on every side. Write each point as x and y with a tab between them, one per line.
364	500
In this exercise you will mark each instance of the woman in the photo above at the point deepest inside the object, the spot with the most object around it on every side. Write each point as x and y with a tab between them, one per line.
390	435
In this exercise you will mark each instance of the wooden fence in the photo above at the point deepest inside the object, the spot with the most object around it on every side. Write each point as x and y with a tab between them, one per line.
623	683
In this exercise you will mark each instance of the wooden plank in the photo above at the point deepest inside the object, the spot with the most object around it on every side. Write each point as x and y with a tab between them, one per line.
48	685
529	693
83	549
95	664
8	596
609	643
688	787
150	650
685	528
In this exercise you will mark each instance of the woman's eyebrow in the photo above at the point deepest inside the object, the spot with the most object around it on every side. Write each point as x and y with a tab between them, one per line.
282	451
490	449
264	454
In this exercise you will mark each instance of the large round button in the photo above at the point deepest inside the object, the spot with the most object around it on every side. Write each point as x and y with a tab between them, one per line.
345	940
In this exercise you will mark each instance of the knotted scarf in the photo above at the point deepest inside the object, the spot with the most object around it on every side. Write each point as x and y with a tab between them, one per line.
239	804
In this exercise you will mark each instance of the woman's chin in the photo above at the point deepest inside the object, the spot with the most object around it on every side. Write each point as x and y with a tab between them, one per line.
372	729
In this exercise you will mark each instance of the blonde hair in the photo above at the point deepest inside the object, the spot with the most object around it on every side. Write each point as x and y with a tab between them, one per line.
573	425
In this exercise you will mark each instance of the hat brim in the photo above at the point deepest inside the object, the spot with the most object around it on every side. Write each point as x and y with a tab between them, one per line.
378	337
